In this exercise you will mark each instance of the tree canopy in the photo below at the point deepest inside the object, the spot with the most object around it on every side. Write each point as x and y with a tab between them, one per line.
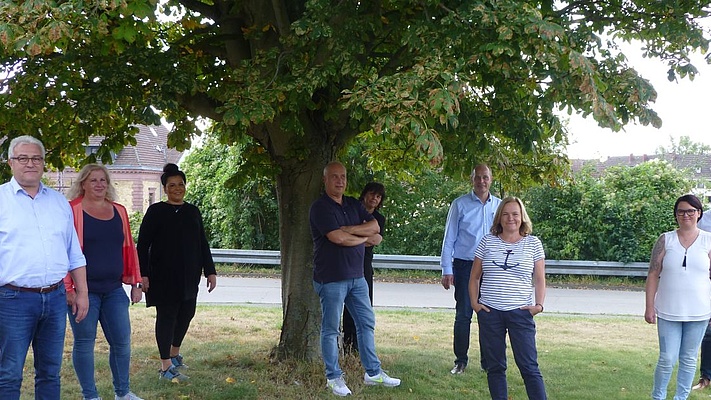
452	83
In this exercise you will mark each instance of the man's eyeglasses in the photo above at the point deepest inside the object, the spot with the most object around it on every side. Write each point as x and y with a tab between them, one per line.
689	213
36	160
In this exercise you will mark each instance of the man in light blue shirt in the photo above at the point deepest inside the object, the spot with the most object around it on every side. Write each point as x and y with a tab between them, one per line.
38	246
469	219
705	371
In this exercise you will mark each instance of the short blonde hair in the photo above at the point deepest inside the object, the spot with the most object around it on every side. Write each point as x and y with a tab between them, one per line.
526	226
77	190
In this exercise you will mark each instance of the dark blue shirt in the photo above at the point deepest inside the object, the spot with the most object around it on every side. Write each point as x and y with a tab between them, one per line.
334	263
103	245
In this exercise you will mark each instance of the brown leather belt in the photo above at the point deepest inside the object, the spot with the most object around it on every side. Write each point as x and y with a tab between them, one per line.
43	289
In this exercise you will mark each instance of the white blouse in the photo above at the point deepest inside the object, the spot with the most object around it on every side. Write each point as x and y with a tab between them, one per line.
684	291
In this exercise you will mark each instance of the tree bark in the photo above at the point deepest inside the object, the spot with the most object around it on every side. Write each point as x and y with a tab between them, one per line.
299	184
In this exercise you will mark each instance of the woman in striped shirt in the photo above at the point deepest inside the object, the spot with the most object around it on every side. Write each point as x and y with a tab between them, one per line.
508	264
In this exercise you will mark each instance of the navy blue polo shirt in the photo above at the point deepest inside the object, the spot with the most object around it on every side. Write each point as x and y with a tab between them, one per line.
333	263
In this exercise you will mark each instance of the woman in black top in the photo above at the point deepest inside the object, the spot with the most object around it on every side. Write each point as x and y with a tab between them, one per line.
372	197
173	253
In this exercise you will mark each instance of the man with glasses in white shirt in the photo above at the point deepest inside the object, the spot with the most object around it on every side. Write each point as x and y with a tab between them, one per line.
38	246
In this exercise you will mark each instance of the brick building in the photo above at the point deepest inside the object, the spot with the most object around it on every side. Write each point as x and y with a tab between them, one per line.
135	171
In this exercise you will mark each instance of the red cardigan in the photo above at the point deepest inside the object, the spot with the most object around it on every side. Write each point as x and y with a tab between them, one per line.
131	269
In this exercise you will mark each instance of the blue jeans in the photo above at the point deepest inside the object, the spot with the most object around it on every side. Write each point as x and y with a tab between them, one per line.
40	319
354	294
462	269
111	310
521	328
678	340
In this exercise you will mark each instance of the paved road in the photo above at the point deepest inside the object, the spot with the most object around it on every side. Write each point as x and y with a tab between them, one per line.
267	291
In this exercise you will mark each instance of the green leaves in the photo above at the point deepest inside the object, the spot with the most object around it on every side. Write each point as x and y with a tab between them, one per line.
126	31
614	217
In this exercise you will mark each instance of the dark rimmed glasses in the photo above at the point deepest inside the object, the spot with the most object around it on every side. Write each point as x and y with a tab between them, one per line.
689	213
36	160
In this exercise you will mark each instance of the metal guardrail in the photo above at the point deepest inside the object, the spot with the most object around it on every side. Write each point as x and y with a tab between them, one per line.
392	261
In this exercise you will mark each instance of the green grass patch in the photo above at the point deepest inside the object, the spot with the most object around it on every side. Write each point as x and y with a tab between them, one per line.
596	282
228	347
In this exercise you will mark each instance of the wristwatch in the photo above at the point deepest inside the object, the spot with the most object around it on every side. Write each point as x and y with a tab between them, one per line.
138	285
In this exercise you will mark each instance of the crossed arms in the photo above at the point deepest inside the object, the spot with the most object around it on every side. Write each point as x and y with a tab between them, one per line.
354	235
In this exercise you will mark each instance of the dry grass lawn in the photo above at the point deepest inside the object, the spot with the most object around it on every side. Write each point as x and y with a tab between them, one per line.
227	349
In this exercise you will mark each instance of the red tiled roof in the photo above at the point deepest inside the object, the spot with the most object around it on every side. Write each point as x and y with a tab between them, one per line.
150	152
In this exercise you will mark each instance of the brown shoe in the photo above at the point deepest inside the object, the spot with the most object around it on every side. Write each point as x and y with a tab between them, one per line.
703	384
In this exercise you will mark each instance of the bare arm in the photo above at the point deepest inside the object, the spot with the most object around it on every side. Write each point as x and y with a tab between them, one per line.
342	238
80	305
354	235
474	282
374	240
539	283
365	229
650	289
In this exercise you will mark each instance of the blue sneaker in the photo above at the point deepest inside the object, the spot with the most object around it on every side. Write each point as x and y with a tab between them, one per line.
172	374
178	362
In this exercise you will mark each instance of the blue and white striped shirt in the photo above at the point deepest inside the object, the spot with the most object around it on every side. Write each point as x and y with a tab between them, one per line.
507	271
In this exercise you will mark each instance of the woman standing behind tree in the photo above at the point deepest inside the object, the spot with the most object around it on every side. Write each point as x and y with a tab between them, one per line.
678	296
173	252
105	237
372	197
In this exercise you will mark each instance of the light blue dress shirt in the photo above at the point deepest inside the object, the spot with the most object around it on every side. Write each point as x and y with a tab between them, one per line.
38	242
467	222
705	222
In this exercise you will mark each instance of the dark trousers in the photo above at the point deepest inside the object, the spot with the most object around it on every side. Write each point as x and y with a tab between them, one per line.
521	329
350	339
706	354
462	270
172	323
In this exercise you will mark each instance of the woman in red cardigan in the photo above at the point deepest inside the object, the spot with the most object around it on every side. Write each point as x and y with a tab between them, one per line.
111	261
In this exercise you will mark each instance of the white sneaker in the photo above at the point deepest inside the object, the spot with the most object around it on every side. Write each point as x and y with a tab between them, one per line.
381	379
128	396
338	386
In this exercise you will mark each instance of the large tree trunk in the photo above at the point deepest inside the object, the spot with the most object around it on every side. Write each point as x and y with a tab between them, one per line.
299	184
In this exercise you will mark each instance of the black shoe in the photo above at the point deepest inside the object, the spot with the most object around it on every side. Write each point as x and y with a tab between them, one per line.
703	383
458	369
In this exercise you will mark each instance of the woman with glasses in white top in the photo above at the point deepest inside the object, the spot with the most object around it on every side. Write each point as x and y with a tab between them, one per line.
678	296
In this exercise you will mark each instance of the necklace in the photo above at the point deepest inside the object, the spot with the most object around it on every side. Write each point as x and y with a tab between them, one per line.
686	249
177	207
